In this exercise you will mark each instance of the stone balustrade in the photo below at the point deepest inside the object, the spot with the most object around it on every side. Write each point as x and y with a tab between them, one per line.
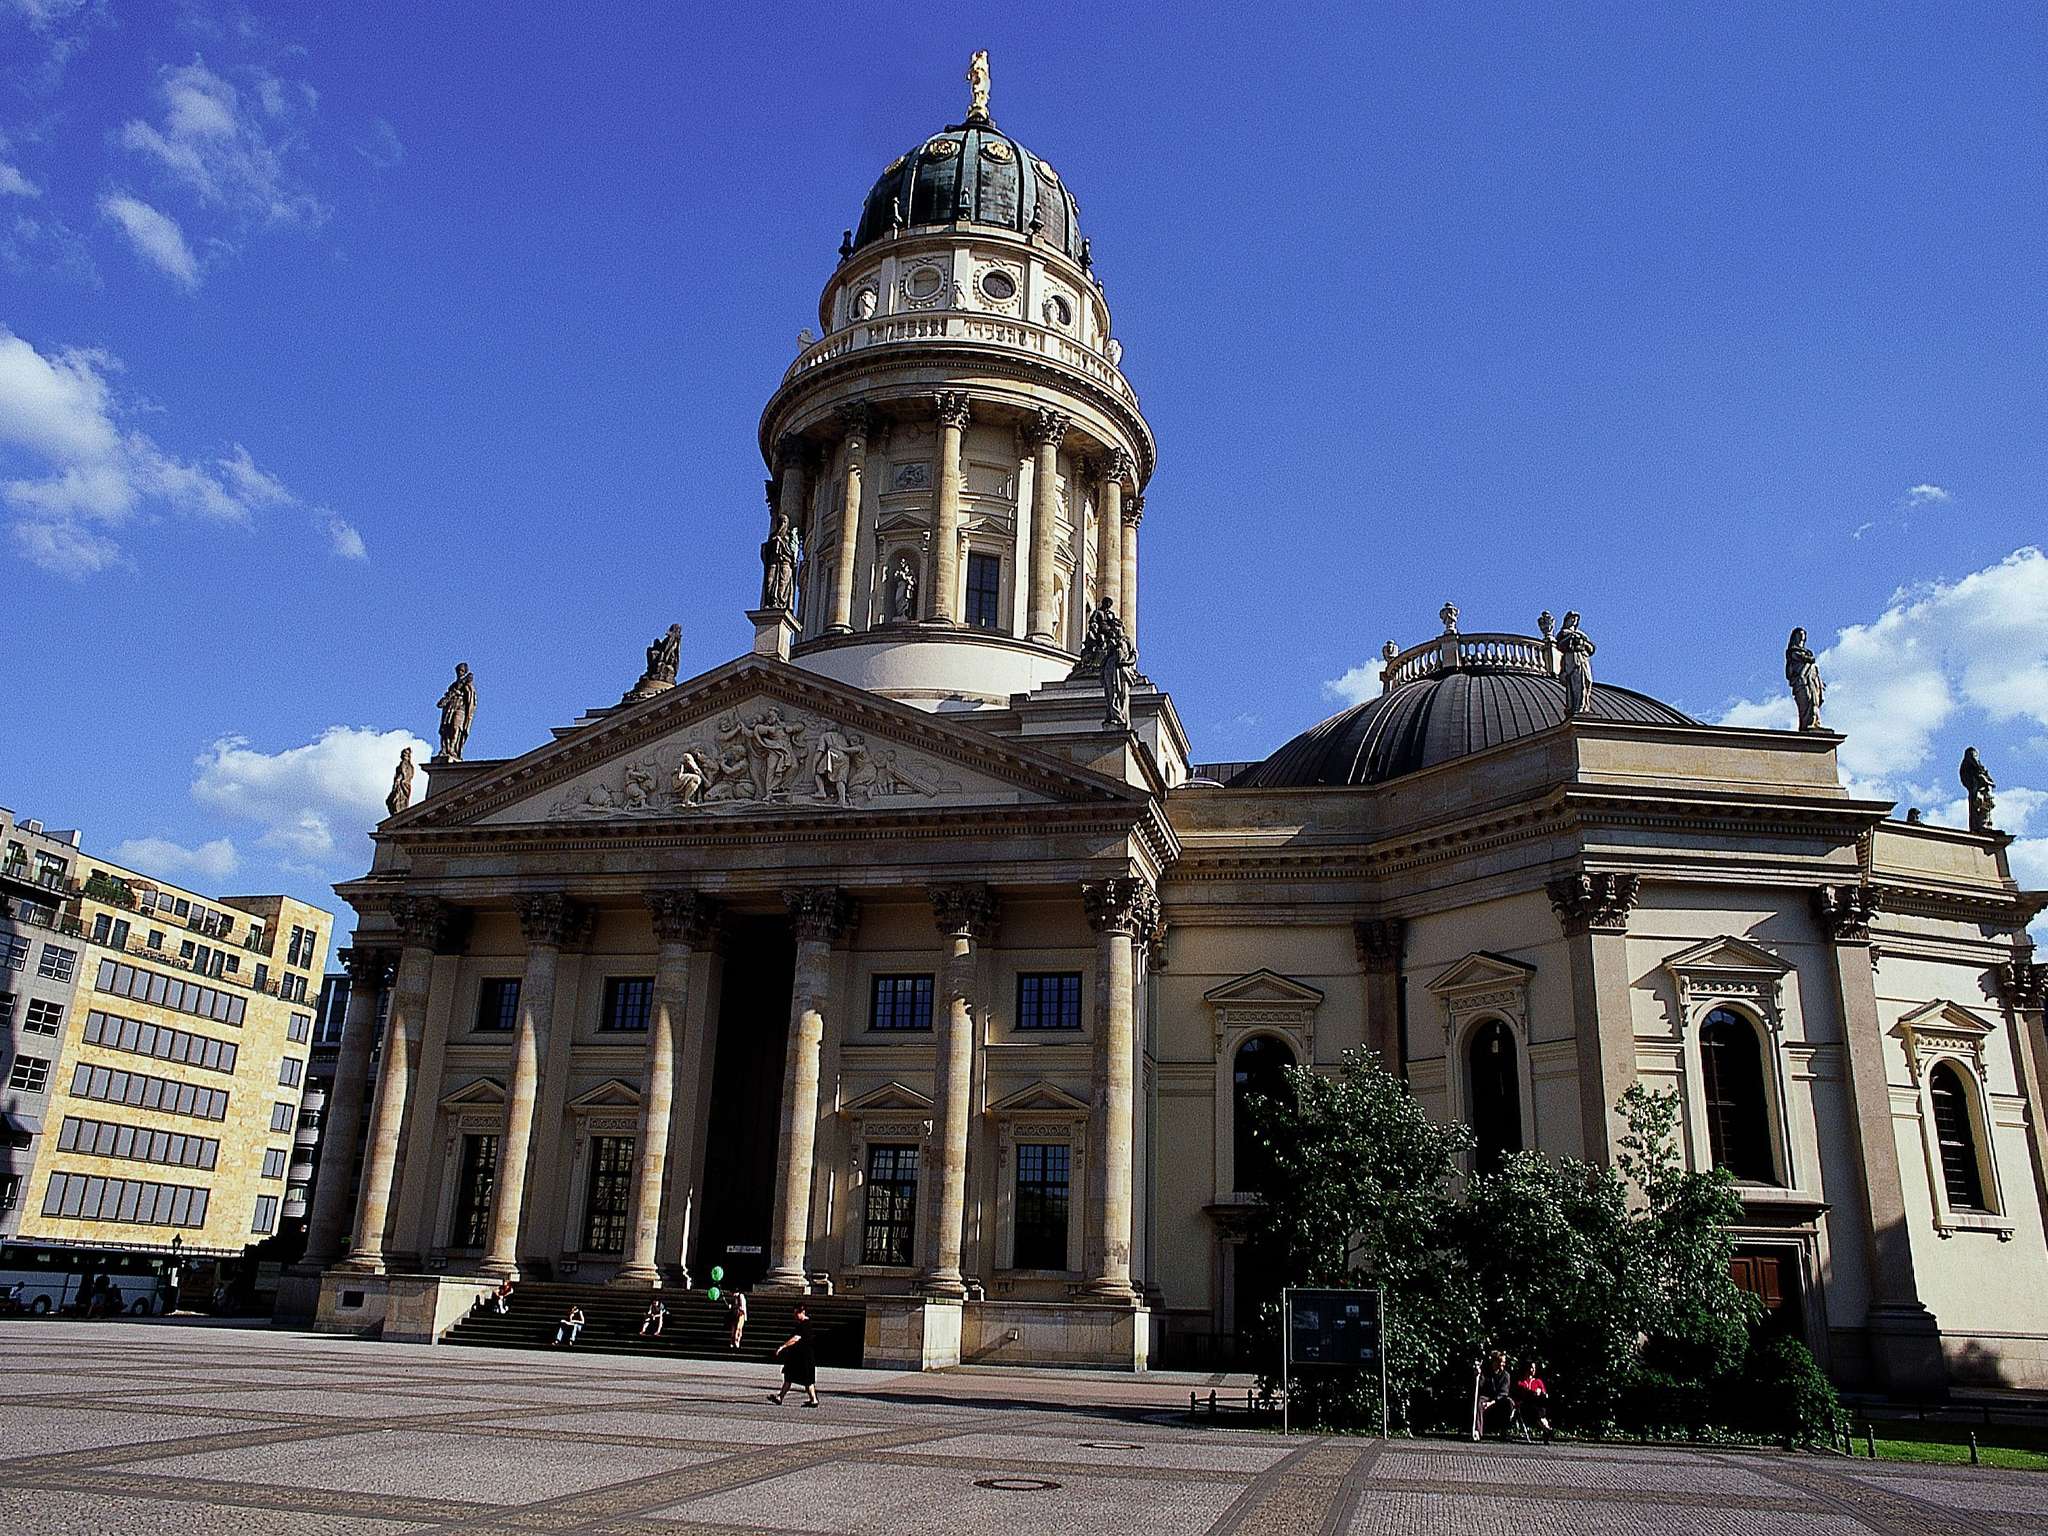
981	330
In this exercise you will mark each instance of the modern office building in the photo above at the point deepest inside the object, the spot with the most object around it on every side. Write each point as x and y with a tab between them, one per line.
156	1048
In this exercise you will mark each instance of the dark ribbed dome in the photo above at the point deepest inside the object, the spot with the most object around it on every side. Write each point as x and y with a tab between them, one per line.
1435	719
972	174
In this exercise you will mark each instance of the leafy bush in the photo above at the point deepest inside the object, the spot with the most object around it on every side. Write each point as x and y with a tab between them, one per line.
1782	1393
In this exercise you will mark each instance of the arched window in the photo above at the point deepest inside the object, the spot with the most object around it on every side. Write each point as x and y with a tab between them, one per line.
1738	1121
1495	1079
1961	1172
1260	1063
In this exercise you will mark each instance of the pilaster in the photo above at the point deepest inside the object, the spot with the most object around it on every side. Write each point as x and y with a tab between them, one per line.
1593	910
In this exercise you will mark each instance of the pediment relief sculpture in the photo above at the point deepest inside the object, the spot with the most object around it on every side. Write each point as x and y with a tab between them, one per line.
761	759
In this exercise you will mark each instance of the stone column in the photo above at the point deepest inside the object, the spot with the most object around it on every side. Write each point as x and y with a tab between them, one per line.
1134	514
327	1226
1112	468
2023	987
795	461
1044	430
1379	941
551	922
683	923
1593	911
1118	910
820	915
1905	1342
966	915
954	412
424	924
858	422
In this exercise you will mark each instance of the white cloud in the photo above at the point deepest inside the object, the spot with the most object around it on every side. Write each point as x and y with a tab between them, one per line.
230	157
98	474
314	801
1861	529
1355	686
1926	496
155	236
1979	643
13	183
384	150
167	860
2018	810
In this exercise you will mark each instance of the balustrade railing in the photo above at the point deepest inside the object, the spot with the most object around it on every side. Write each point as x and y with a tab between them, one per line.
983	329
1494	651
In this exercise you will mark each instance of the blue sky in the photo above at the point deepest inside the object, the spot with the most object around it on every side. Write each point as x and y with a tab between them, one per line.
339	345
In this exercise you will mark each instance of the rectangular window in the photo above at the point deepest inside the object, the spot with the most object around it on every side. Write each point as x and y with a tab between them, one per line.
10	1191
1049	1000
611	1192
901	1002
628	1002
13	951
1042	1190
147	986
891	1226
281	1116
116	1087
7	1001
299	1029
88	1197
476	1184
984	591
265	1219
497	1003
31	1074
102	925
274	1162
289	1071
43	1017
159	1040
57	964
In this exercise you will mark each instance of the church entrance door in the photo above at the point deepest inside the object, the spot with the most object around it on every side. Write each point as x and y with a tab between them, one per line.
746	1099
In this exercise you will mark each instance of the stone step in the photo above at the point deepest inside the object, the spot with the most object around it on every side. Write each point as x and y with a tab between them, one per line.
696	1327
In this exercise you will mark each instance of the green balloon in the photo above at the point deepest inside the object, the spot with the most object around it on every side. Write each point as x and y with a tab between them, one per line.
712	1294
717	1273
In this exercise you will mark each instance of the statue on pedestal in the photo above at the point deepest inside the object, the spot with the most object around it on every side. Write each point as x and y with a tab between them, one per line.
1575	666
977	83
778	566
1108	653
902	591
458	713
1803	673
1978	784
401	784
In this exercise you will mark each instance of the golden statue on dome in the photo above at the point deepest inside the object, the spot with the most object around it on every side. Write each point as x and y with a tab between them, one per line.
977	81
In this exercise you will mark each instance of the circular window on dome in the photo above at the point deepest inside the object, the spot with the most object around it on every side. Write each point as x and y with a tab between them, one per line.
939	149
998	286
924	285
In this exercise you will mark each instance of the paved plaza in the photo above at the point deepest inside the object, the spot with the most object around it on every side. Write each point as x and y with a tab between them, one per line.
138	1428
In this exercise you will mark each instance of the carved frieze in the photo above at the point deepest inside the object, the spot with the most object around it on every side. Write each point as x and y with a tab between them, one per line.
767	759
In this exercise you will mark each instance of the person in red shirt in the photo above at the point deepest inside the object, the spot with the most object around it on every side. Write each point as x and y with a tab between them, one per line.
1532	1397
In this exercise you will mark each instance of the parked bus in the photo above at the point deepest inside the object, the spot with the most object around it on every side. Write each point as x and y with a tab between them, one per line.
43	1280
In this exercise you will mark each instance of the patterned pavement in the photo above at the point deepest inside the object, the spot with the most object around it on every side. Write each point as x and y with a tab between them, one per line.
141	1428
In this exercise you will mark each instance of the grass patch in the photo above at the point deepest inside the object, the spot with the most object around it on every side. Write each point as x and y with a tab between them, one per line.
2013	1447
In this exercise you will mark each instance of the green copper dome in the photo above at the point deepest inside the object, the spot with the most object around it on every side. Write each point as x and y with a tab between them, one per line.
971	174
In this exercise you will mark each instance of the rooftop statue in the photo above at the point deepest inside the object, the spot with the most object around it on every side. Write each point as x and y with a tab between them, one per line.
662	658
977	82
401	784
1108	653
1978	784
1575	666
458	714
1803	673
778	566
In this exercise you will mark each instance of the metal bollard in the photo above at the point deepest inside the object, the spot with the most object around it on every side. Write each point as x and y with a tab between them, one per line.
1973	1449
1870	1440
1191	1402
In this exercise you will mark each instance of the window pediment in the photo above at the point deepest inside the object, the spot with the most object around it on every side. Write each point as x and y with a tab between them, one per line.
1483	983
611	1094
1942	1028
482	1093
1039	1098
1729	970
891	1098
1264	999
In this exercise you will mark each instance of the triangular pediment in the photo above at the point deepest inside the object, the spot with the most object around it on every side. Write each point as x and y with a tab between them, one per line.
1481	969
759	738
1264	986
891	1096
481	1093
609	1094
1727	954
1943	1019
1040	1097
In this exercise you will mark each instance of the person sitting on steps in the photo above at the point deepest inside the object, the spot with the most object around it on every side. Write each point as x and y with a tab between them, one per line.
657	1314
570	1326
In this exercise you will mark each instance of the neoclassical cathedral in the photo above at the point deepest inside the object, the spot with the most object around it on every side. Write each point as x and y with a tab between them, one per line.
912	956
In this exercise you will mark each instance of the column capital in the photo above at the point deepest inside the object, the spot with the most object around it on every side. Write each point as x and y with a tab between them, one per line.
1045	428
689	918
1121	904
366	967
965	911
953	407
1845	911
1594	903
2023	983
858	422
424	922
821	914
1116	465
1134	510
794	451
552	918
1379	941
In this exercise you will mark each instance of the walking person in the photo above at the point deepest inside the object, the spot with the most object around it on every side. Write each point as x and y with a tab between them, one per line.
657	1314
799	1357
570	1327
737	1310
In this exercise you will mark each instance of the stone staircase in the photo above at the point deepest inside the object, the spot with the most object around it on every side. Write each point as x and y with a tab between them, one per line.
695	1330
